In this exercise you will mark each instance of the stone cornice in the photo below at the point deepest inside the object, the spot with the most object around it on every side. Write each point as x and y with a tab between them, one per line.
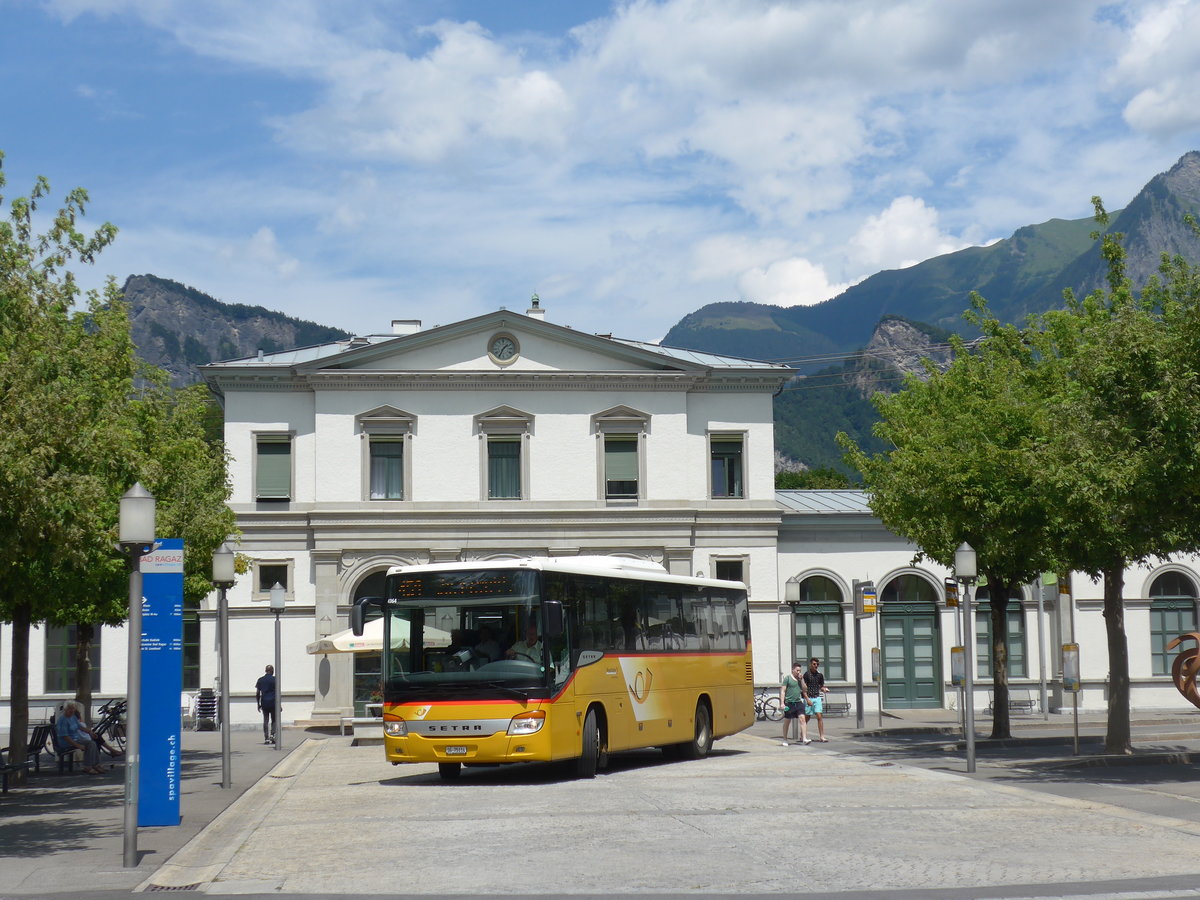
450	380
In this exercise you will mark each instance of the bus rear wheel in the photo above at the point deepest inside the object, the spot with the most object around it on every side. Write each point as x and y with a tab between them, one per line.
589	759
702	739
449	771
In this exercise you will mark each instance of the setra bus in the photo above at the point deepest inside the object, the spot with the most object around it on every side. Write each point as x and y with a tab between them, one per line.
542	659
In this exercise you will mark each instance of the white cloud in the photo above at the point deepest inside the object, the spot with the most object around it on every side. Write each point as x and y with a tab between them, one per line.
902	235
788	282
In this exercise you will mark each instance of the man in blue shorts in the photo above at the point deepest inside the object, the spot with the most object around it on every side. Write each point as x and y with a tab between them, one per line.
812	684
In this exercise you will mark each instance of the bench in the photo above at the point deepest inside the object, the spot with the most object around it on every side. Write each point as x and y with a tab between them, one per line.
64	751
7	768
352	721
1020	700
836	705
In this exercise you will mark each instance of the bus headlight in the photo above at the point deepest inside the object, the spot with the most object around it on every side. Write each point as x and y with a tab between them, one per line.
395	727
527	723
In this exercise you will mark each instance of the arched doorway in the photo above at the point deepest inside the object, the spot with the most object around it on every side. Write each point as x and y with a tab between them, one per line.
368	665
912	646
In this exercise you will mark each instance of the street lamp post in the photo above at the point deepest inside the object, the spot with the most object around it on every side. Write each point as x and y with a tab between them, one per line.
965	570
278	598
135	539
222	577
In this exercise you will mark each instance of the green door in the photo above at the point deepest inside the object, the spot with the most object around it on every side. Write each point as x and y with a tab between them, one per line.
912	670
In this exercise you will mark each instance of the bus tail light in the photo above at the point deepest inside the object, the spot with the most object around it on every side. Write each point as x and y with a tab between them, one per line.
395	727
527	723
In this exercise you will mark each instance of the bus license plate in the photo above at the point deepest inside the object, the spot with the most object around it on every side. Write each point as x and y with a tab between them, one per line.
456	751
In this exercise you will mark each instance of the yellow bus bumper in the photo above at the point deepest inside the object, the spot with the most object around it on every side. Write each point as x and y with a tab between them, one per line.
496	748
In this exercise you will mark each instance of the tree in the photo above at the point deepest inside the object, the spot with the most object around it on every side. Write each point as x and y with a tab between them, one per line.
818	478
1068	444
82	420
1129	427
965	465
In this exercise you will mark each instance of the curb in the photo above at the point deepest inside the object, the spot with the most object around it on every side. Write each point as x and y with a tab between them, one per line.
202	859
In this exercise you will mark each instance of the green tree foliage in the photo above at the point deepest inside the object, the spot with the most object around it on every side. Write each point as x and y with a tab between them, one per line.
819	478
82	420
1068	444
965	465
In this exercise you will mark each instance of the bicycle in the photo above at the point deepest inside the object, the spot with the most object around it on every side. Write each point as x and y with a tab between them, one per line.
766	707
110	725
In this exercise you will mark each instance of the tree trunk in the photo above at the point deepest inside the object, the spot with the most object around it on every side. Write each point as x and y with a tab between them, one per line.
18	729
1118	738
1001	724
84	635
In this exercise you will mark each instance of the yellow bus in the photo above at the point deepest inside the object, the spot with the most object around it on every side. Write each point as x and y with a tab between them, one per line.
543	659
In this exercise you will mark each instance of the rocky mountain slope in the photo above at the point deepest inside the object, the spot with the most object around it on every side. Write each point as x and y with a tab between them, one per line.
813	408
178	328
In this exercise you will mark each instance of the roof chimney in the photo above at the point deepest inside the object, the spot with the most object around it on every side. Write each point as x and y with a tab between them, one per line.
406	326
535	310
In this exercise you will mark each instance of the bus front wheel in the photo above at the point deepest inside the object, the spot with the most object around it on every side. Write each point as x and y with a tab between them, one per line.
449	771
589	759
702	740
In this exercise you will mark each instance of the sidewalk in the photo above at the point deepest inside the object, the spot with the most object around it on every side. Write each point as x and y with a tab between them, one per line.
65	833
59	834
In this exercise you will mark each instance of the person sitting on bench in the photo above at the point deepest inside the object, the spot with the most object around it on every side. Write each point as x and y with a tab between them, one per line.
72	732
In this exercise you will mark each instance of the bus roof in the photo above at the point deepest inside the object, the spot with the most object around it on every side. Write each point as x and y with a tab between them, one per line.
611	566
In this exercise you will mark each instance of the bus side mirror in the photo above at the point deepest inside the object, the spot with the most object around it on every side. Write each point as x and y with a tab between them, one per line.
357	619
554	618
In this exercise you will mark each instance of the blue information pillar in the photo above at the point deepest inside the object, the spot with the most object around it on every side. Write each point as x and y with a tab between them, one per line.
162	684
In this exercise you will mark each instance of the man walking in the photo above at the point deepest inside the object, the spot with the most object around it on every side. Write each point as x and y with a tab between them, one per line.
264	696
791	698
813	685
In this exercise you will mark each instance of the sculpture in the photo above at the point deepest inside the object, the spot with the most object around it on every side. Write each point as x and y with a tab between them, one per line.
1186	668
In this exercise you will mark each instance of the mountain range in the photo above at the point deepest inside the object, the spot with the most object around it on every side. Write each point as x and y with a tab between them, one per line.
846	348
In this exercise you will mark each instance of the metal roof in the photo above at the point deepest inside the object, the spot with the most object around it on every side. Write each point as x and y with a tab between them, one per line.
825	502
712	360
306	354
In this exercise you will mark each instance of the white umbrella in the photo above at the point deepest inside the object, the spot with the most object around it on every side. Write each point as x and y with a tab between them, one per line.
372	639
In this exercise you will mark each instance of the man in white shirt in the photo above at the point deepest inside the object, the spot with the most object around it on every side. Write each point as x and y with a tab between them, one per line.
529	649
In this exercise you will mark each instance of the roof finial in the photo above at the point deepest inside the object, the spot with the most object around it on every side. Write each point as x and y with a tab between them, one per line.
535	310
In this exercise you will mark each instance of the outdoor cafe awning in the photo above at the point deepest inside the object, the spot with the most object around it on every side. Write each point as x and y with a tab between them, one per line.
372	639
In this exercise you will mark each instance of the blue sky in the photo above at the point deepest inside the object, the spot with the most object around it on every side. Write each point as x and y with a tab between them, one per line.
357	162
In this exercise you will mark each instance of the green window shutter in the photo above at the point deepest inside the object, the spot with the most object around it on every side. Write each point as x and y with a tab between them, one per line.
273	478
620	466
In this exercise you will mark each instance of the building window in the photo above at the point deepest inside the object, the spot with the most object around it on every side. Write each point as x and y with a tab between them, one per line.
387	468
504	468
273	467
504	464
729	569
1172	613
62	642
818	626
191	645
727	469
1018	666
387	464
621	430
620	466
270	572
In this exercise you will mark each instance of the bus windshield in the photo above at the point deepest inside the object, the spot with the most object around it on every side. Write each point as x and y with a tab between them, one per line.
476	634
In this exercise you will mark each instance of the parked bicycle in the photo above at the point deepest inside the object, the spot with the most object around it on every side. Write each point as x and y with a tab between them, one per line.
110	724
766	707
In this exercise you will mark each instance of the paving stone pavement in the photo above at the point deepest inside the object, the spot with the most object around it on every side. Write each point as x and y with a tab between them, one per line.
753	818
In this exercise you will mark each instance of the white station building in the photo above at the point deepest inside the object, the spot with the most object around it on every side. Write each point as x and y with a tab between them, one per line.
507	435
